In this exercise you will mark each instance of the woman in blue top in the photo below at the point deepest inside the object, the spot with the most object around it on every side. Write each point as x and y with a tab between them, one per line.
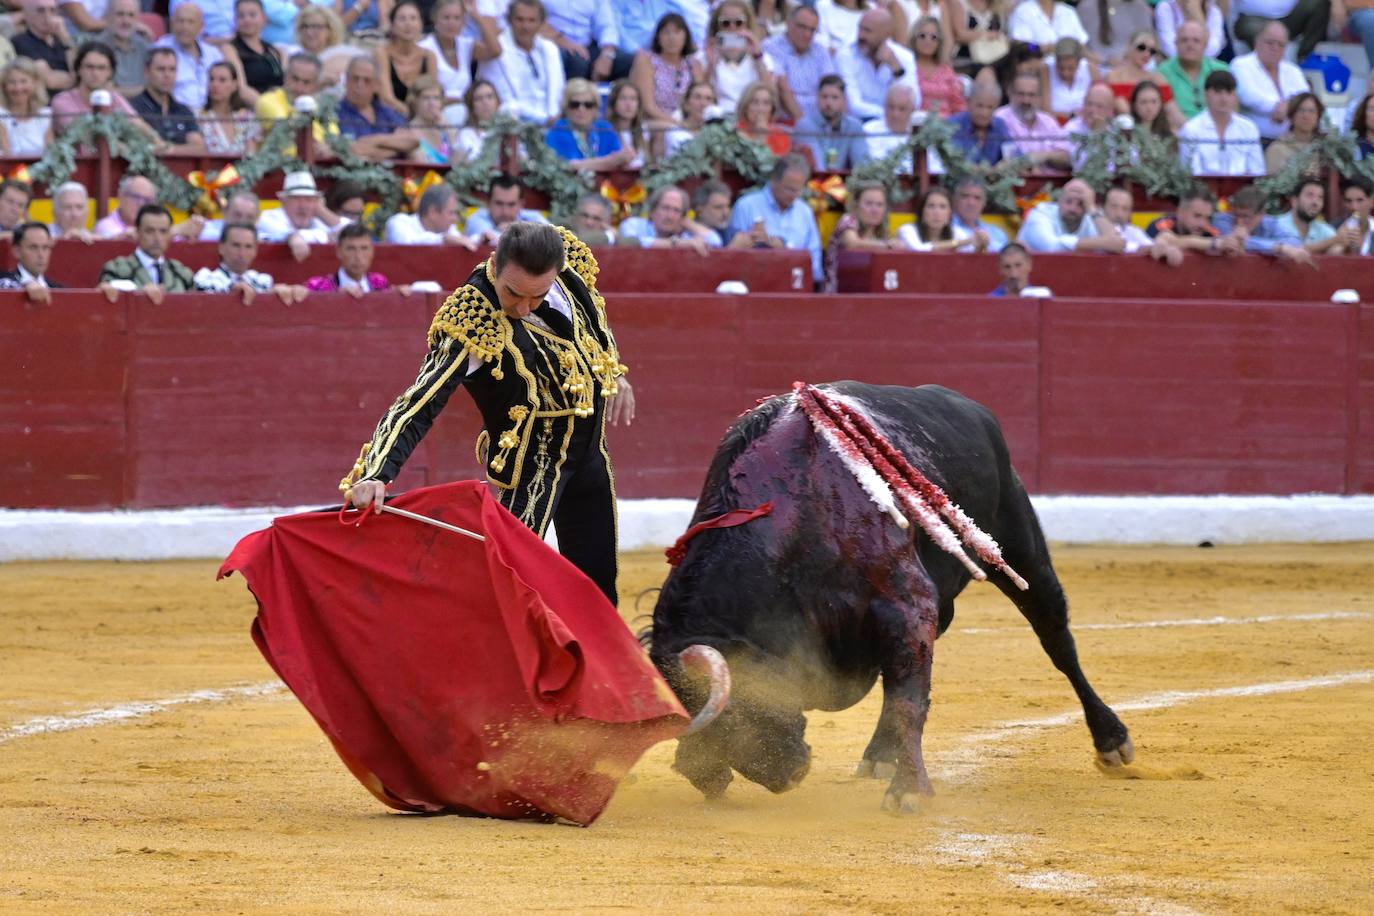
588	142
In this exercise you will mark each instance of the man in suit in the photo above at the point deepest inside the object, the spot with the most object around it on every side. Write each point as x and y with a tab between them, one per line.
148	269
32	250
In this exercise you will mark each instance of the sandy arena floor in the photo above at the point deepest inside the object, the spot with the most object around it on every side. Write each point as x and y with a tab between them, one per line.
1255	731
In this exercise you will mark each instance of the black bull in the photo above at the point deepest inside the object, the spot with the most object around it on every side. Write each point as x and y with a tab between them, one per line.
811	603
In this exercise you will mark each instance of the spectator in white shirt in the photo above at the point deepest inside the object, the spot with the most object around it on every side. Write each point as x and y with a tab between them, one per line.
1265	81
1218	141
1070	75
238	249
455	53
434	222
1043	22
1098	107
873	63
885	134
1069	224
302	219
71	212
734	59
934	230
528	74
1117	206
839	23
1170	15
242	206
1305	19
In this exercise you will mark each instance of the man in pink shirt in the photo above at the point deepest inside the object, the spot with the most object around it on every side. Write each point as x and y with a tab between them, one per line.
1034	133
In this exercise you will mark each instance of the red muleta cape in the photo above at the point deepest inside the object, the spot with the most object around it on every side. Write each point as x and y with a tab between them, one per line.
454	675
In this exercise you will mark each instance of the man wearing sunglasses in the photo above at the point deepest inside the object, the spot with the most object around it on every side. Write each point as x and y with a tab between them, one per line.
528	73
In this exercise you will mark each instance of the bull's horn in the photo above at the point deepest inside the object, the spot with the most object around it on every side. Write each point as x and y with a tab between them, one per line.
707	662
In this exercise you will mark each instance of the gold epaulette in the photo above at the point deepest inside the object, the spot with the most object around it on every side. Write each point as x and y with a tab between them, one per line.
473	321
580	258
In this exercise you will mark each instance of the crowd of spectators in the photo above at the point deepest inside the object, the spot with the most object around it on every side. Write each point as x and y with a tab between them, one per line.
617	84
839	81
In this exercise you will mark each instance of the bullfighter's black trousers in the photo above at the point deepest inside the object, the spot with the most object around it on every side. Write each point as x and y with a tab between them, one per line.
582	489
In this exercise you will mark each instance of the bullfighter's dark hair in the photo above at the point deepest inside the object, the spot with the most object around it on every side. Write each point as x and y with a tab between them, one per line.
1309	180
1197	191
792	162
151	210
533	247
1358	181
354	231
24	229
230	227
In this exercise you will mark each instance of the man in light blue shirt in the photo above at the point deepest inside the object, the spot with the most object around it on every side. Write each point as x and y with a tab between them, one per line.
636	19
1069	224
505	205
1246	228
776	216
666	225
589	39
1304	217
835	137
970	199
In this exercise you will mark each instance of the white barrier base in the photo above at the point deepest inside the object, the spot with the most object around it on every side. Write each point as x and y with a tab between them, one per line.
212	532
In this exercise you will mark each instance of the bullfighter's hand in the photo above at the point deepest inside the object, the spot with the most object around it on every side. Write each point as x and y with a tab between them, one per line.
621	405
367	492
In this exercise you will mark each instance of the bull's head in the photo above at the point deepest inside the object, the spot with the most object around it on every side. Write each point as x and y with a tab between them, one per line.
758	736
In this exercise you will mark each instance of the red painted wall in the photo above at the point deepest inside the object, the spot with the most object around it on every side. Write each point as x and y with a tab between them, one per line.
1246	279
203	400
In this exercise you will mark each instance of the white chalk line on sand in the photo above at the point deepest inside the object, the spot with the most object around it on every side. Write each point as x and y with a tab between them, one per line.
109	715
1217	621
963	762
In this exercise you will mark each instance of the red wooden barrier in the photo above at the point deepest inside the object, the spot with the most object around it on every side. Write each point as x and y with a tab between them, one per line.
623	270
1248	278
202	400
62	402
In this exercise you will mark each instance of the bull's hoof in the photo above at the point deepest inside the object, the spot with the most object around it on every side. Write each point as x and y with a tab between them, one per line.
902	803
1121	755
875	769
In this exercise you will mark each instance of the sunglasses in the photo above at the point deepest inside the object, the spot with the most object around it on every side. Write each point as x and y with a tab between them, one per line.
1144	47
581	103
733	23
931	35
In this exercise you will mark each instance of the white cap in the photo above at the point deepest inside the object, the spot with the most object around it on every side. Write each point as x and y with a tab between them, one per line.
100	98
1124	121
1346	296
1036	292
305	104
299	184
732	288
425	286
